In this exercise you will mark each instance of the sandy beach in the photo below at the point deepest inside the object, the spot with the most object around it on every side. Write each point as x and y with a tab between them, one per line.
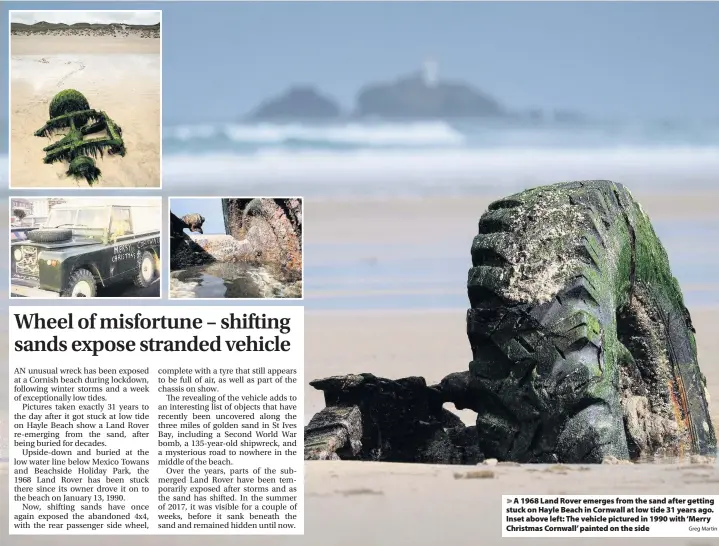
119	75
377	503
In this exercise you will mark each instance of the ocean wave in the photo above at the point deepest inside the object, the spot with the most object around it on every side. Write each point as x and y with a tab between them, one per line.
491	134
352	134
430	172
435	172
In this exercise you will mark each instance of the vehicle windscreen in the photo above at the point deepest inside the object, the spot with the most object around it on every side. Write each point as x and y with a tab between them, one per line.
33	221
146	219
85	221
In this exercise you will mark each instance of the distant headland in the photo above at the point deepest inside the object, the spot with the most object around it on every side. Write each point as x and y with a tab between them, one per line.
85	29
417	96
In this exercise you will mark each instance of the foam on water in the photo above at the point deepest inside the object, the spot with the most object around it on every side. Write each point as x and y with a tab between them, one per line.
431	172
490	133
399	134
391	159
437	171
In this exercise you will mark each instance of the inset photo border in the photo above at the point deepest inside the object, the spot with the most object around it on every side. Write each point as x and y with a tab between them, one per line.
85	90
86	247
240	248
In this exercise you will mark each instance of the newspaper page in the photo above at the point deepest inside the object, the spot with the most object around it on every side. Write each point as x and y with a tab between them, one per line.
166	420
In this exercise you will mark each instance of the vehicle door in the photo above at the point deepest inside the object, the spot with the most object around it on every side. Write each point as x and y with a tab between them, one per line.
124	246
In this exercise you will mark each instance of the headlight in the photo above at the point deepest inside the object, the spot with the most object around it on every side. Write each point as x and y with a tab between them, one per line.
17	254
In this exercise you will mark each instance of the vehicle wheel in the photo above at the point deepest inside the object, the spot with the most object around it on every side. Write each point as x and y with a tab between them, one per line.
54	235
81	284
67	102
84	167
147	270
582	347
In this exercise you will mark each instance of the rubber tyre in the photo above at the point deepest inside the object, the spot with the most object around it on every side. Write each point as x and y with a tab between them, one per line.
286	246
54	235
83	280
147	272
582	346
84	167
68	101
253	208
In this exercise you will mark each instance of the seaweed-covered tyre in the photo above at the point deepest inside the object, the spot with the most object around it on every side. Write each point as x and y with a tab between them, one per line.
582	346
51	235
81	284
84	167
147	270
68	101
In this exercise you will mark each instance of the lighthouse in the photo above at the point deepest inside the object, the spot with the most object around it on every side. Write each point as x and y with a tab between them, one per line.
430	72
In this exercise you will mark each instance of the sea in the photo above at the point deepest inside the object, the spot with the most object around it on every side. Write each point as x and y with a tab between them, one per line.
382	160
436	158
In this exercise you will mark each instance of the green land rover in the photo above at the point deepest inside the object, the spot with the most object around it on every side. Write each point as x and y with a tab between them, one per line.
83	247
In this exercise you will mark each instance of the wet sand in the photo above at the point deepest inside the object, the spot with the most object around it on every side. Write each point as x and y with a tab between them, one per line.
119	75
434	219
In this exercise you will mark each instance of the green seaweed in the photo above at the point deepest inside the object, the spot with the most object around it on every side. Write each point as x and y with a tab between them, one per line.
84	167
69	110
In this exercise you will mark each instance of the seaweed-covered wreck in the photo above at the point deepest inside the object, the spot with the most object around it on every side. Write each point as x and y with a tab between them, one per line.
70	111
582	349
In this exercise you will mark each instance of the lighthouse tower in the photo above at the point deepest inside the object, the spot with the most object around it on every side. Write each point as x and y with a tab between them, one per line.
430	72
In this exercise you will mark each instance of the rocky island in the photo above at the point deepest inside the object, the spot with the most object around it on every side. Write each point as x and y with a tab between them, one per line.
418	97
299	103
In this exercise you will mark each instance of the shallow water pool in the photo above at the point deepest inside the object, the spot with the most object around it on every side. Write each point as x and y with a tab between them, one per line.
226	280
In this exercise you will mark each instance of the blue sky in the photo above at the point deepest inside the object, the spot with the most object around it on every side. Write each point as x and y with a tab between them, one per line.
210	208
607	59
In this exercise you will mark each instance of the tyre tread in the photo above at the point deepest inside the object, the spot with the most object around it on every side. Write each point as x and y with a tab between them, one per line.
547	359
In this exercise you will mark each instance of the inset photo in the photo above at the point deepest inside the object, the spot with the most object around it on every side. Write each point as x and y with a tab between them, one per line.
85	99
240	247
97	247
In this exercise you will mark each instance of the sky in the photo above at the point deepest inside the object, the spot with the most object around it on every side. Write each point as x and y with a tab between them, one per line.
210	208
654	60
136	17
